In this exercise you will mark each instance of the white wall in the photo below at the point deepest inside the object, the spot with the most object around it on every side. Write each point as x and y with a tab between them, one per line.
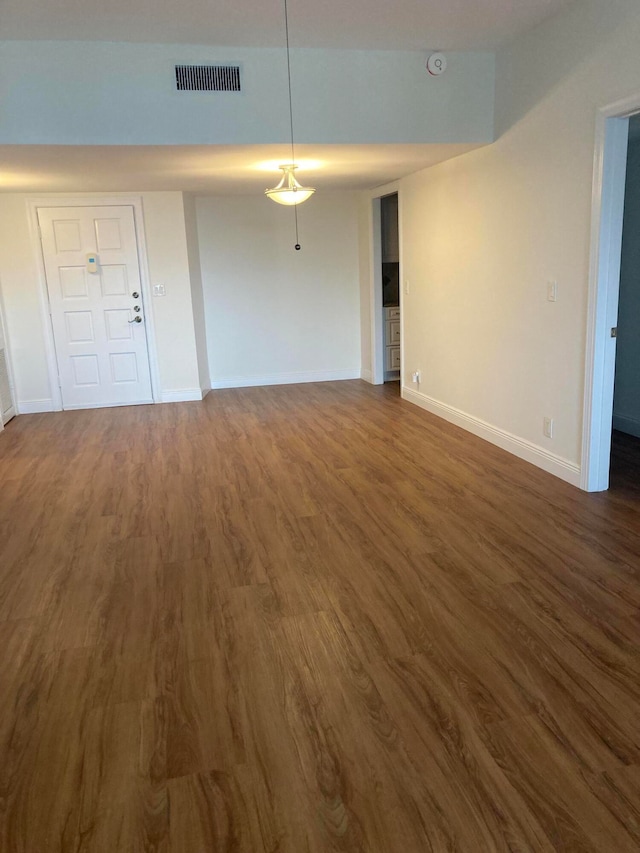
484	233
197	295
172	314
23	316
275	315
626	410
77	93
168	257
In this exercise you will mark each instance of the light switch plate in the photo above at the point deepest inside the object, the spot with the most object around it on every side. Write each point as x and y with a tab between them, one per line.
159	290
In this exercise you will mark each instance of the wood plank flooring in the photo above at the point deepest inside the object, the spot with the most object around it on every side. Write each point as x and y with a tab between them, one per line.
309	619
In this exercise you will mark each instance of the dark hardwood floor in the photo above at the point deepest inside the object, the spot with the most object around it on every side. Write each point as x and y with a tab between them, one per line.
309	619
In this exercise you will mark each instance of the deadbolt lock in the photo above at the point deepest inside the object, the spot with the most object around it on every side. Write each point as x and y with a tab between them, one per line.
135	295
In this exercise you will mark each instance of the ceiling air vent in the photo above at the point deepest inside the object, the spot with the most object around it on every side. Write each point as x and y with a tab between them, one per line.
208	78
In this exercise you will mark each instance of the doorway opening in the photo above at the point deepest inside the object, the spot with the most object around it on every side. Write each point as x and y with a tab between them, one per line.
610	177
390	242
385	293
625	445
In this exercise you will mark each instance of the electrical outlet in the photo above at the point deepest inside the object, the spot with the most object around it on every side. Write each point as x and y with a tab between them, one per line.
547	427
552	291
416	377
407	287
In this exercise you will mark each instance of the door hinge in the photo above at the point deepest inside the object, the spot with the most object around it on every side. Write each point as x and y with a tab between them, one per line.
614	332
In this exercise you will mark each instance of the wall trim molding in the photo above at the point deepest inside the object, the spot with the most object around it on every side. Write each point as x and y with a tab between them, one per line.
367	375
626	424
35	407
520	447
287	378
181	395
9	414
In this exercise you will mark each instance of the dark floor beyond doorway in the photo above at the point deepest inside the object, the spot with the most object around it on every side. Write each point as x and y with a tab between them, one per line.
625	464
310	618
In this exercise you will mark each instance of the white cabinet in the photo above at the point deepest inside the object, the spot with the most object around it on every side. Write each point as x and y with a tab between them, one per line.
392	363
392	342
393	332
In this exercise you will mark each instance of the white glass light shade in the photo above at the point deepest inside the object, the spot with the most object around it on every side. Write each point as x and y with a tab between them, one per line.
289	190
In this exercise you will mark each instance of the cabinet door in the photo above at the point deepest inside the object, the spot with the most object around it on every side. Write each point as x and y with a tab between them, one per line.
392	358
394	332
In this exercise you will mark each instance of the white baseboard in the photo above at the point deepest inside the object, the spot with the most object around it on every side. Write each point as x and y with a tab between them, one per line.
287	378
183	395
9	414
625	424
367	375
34	407
520	447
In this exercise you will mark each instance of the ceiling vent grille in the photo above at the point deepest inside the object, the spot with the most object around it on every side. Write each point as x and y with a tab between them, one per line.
208	78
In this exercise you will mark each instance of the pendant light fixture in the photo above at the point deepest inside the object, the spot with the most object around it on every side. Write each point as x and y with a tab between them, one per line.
289	191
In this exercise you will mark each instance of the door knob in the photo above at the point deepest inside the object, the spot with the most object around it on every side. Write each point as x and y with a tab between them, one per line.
137	319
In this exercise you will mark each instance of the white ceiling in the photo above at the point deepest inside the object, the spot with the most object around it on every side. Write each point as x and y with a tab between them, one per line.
359	24
218	169
355	24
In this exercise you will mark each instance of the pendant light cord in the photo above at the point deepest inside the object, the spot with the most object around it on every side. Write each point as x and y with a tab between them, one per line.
293	154
286	31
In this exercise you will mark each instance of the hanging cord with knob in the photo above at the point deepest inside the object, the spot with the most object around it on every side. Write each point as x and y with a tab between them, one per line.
293	153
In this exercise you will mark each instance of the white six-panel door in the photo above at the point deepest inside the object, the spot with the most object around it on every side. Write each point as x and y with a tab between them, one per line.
96	305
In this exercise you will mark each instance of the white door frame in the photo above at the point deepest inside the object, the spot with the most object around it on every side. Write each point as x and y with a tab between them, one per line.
375	281
135	202
609	177
4	335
